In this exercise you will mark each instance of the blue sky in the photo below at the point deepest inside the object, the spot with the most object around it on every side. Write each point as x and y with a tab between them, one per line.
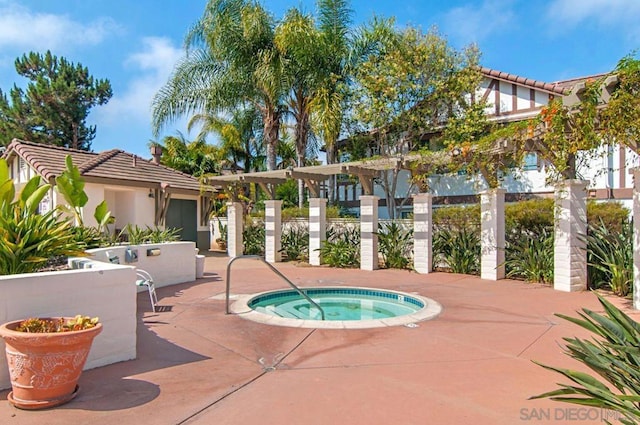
135	44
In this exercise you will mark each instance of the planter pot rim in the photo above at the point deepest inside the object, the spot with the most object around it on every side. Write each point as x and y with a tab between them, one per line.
9	328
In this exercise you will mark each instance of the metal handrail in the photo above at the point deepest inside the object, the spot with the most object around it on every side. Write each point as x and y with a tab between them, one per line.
276	271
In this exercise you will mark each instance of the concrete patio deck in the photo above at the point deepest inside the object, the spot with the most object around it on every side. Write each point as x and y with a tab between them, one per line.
470	365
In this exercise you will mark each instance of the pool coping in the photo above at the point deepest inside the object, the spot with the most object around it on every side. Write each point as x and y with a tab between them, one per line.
431	310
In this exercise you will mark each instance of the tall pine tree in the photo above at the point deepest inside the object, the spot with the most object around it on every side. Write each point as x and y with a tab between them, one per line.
55	105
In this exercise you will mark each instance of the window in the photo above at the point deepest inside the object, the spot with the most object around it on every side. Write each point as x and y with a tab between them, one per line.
23	171
530	161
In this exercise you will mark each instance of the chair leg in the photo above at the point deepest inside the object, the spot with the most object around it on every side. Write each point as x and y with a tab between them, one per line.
153	296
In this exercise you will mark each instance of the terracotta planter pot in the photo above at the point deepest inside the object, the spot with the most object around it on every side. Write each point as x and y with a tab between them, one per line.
222	244
45	367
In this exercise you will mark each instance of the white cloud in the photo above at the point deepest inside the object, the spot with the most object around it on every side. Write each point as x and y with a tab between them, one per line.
473	23
150	69
605	12
25	29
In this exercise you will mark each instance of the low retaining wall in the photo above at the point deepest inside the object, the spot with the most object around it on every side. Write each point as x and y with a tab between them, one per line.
105	290
168	263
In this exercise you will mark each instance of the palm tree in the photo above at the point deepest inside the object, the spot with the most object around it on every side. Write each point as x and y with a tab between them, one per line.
239	135
231	61
320	61
195	158
299	42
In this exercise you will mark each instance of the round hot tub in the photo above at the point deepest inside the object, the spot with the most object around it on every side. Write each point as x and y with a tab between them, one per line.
343	307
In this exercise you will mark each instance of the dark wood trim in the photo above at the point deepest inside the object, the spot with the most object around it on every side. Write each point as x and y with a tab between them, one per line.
520	111
497	97
621	193
138	185
487	92
532	98
514	97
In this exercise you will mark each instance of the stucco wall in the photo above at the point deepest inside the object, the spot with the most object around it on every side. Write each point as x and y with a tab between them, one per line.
175	264
107	291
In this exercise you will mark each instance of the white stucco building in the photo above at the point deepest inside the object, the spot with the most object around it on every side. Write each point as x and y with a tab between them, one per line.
137	191
513	98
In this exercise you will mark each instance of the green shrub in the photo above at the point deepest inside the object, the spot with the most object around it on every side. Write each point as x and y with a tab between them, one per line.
295	242
456	239
395	244
458	250
90	237
287	192
611	213
28	239
529	217
253	236
530	257
456	218
342	247
136	235
294	212
615	359
610	258
158	235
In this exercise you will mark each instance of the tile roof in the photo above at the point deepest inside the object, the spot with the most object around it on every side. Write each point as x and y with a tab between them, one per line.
554	88
109	167
562	87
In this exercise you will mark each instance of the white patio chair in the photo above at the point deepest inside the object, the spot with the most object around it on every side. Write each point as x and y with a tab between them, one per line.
145	279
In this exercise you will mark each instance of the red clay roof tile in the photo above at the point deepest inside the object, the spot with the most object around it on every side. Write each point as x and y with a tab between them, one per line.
115	164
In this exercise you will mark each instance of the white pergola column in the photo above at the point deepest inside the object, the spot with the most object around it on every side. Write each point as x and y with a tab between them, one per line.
636	238
317	228
368	232
492	234
235	224
570	253
422	232
273	231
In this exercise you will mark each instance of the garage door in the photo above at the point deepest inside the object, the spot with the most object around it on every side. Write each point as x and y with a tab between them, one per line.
182	213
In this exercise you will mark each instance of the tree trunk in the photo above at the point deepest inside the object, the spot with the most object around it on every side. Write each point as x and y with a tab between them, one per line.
570	172
74	142
271	130
302	137
332	178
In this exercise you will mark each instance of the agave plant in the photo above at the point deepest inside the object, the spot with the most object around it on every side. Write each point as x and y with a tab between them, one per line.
253	236
458	250
531	257
295	242
158	235
614	357
395	245
342	247
610	258
137	235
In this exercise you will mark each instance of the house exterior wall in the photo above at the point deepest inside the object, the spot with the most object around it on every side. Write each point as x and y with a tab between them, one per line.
607	169
507	100
127	204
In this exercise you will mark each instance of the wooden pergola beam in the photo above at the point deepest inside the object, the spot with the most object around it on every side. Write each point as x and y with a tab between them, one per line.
301	175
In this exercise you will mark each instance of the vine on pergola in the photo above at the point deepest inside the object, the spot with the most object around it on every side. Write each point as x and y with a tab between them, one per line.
621	118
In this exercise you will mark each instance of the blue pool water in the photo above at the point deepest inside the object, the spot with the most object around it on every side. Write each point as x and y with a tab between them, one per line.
337	303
